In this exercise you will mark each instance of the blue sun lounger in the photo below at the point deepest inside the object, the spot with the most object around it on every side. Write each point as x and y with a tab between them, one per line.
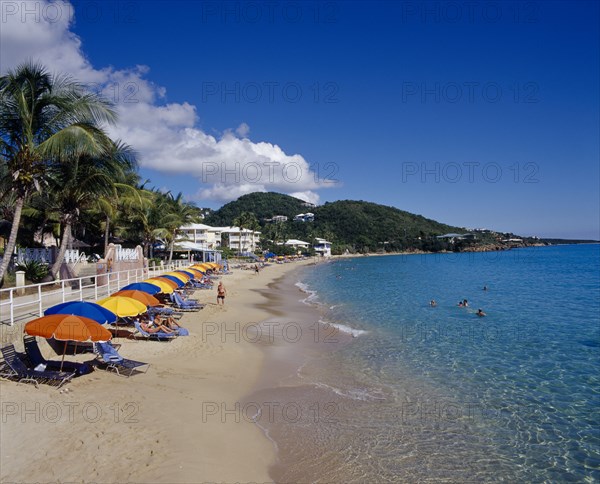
35	358
109	358
182	305
14	368
160	336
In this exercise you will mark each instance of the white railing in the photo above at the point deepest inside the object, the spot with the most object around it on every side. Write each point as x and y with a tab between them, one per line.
15	307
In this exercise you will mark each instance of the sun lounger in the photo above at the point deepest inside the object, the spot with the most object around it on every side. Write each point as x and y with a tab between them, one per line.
15	368
34	354
160	336
182	305
108	358
165	312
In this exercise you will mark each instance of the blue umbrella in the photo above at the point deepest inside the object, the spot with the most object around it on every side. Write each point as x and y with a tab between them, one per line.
174	279
142	286
189	273
86	309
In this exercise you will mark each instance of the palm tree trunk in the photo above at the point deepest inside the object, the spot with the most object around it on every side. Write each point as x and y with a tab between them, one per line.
171	248
106	234
12	239
60	257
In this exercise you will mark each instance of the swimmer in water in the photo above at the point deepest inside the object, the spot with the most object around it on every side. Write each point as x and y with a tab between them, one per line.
432	303
480	313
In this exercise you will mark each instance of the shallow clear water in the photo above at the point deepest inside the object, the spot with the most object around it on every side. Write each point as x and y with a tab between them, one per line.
438	393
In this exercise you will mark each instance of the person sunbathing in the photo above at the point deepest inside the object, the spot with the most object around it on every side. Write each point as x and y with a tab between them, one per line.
152	328
167	321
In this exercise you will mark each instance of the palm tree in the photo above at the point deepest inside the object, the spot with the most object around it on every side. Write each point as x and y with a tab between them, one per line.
176	213
127	194
77	185
245	220
141	222
43	119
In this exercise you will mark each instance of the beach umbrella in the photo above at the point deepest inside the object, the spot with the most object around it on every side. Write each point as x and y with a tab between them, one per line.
202	266
187	272
177	281
140	296
84	308
151	289
123	306
67	327
182	277
164	287
172	284
196	272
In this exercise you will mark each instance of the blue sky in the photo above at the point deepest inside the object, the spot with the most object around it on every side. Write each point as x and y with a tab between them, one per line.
482	114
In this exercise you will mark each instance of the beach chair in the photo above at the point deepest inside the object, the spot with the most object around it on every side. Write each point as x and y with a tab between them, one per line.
153	311
160	336
182	305
201	285
109	359
15	368
32	350
179	331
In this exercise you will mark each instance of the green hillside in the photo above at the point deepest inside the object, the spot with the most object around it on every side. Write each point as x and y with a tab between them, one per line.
262	205
354	225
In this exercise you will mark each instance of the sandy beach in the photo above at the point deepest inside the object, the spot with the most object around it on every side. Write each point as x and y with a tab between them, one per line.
181	422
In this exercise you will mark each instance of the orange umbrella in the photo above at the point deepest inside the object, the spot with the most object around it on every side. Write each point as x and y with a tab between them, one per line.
67	327
140	296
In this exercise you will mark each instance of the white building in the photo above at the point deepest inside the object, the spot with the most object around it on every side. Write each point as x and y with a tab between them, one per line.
279	219
209	238
304	217
322	247
206	236
297	244
241	240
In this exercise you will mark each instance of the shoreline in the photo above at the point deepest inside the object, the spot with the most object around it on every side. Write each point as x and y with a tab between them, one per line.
181	422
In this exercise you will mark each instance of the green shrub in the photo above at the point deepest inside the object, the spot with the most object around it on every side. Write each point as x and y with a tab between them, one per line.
34	270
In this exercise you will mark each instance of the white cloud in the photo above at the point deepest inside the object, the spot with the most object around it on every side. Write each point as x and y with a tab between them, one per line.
165	135
243	130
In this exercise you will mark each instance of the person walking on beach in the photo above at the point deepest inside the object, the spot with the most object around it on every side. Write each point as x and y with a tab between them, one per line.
256	269
221	291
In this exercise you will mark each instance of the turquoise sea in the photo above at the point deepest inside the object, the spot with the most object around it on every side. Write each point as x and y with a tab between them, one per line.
436	394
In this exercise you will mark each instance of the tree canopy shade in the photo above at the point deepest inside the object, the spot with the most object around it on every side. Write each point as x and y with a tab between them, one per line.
45	120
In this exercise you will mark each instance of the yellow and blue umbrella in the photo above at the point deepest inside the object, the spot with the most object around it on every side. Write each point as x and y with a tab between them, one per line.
123	306
164	286
151	289
83	308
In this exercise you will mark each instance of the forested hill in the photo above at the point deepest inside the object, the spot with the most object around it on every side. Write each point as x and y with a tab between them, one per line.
262	205
349	224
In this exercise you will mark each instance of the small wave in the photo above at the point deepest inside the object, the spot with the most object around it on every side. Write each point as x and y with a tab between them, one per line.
361	394
303	287
331	308
345	329
312	295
